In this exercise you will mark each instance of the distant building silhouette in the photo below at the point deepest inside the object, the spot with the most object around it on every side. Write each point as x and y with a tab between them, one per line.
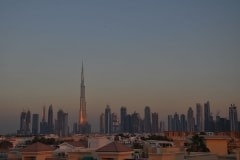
155	123
162	127
50	120
108	120
147	120
190	120
128	123
84	126
199	117
35	124
62	128
183	123
102	123
233	117
123	114
136	123
43	124
25	122
170	123
115	123
176	122
207	117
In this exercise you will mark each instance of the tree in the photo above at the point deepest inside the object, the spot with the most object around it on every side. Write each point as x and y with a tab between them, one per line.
5	145
198	144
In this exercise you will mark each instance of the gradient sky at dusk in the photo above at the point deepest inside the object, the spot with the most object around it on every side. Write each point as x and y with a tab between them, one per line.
169	55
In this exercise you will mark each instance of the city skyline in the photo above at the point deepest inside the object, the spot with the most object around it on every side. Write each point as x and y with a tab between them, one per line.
123	122
165	55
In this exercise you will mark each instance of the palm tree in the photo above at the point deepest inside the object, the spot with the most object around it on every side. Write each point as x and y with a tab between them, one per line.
198	144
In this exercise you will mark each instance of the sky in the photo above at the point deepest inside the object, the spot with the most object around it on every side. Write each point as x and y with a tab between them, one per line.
168	55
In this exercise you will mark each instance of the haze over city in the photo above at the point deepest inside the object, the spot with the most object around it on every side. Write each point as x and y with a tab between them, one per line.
168	55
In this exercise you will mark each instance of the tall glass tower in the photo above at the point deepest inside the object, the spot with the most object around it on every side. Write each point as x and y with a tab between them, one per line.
82	112
233	118
84	126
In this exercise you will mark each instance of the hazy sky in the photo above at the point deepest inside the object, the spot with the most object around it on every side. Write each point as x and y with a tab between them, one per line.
165	54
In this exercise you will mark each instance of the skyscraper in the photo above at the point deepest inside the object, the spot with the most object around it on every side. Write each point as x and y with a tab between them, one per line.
35	124
233	118
128	123
28	122
176	122
102	123
162	126
183	123
190	120
43	123
207	115
155	123
115	123
82	112
136	123
84	126
25	122
170	123
62	128
108	120
123	112
147	120
199	116
50	119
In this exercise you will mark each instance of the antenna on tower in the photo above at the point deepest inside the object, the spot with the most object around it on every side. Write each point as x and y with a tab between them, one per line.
43	118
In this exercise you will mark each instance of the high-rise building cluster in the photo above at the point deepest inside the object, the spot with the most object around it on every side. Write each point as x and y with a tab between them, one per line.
25	122
110	123
204	120
58	126
45	126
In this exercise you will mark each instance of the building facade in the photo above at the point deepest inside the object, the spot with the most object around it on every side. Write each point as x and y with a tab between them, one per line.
35	124
199	117
233	118
147	120
123	113
84	126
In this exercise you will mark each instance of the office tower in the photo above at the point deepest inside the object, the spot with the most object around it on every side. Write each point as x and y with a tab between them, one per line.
128	123
44	124
155	124
190	120
50	119
115	123
141	125
207	117
162	126
84	126
108	120
75	128
218	124
123	112
170	123
147	120
176	122
62	128
233	118
136	123
22	129
35	124
23	121
102	123
199	117
28	122
183	123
